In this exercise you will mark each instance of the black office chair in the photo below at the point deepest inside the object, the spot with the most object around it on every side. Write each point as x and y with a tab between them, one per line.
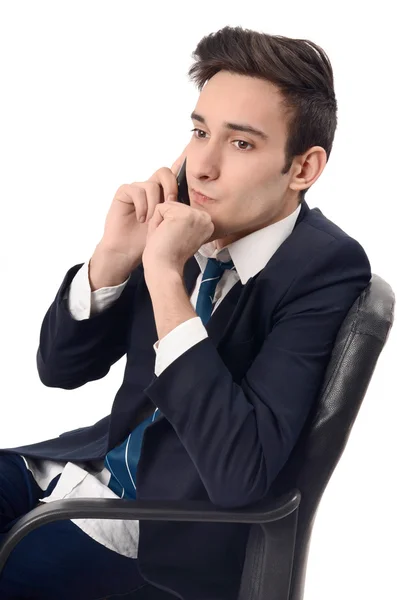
278	546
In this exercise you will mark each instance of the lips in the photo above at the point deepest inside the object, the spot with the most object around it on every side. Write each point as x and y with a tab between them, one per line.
202	196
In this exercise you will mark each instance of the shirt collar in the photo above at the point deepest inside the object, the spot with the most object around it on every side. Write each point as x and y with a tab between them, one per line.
251	253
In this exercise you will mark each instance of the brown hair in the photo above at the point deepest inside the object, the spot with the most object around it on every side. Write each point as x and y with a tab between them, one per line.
299	68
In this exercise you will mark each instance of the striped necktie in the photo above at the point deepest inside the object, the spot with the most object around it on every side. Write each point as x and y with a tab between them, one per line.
211	276
122	461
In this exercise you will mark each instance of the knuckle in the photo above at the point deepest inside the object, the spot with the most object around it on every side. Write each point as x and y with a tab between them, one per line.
152	184
123	188
164	170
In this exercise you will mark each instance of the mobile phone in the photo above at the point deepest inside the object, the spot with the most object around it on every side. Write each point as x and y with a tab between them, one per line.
183	194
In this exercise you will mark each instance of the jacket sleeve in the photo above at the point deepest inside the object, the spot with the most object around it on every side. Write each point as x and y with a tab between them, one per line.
72	352
83	303
240	436
178	341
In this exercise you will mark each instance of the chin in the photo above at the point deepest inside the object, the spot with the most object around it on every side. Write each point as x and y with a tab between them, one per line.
213	237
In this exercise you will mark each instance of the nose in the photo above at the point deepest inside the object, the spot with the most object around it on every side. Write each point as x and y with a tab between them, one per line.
204	166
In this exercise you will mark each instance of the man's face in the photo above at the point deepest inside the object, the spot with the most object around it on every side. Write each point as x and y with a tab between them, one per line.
243	177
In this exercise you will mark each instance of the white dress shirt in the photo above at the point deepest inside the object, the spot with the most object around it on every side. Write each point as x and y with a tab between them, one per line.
250	255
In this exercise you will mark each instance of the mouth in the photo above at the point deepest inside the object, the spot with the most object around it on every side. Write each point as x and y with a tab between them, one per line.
200	198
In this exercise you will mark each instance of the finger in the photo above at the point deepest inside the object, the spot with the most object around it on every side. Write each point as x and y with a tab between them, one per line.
179	162
168	183
135	195
157	218
154	196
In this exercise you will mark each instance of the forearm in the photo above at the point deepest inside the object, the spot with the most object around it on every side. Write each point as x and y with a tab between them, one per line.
72	352
171	304
218	423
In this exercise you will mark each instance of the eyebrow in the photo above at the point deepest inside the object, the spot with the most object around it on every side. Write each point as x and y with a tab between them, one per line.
234	127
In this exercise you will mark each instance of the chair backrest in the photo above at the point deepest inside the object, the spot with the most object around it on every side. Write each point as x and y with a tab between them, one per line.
357	347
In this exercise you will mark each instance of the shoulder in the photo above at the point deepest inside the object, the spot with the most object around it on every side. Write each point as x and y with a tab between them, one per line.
323	240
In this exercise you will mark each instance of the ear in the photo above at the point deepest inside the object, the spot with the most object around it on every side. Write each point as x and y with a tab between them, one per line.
309	168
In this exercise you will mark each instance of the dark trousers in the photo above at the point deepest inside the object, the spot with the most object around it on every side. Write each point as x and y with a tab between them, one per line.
58	561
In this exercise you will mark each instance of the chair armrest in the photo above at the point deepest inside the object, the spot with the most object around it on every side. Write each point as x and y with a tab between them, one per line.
151	510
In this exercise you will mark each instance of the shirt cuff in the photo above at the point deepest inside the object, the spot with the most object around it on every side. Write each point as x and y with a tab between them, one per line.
83	303
177	342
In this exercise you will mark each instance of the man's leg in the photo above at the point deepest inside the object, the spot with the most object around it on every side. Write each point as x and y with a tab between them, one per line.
57	560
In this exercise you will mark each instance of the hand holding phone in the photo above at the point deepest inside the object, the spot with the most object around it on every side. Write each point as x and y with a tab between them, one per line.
124	238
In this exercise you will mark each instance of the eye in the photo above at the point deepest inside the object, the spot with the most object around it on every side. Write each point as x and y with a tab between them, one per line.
243	142
238	141
199	130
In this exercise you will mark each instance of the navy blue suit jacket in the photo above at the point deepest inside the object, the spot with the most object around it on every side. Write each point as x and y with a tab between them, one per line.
232	406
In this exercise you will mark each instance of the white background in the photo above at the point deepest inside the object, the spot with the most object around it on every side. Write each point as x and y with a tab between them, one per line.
96	94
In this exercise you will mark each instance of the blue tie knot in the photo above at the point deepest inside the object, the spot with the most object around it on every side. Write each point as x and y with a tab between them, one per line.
219	265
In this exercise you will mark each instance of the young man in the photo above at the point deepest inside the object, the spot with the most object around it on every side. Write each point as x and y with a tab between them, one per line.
227	310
